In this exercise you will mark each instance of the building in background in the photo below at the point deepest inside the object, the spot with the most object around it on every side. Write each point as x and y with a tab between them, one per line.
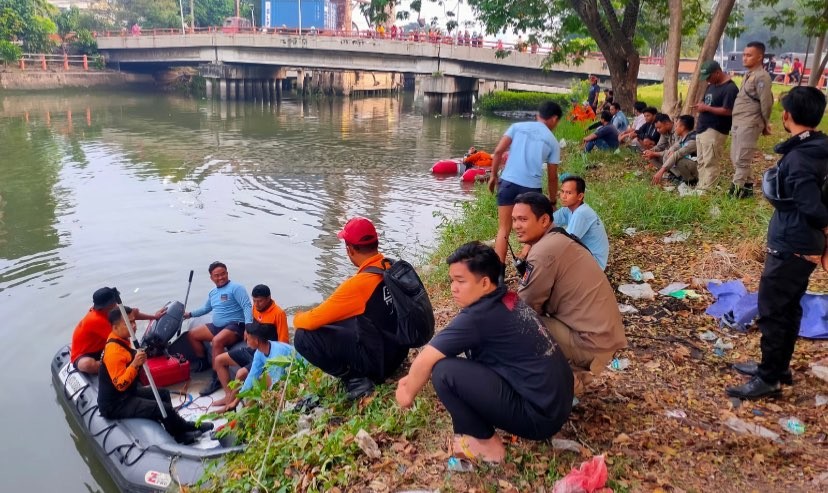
320	14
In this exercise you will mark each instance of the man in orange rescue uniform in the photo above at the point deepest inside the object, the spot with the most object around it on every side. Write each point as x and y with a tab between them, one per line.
90	334
351	334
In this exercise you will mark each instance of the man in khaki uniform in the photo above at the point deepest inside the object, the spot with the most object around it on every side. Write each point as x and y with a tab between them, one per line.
751	118
565	285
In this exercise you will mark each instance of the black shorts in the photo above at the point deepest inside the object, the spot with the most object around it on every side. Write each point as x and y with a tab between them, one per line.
242	356
508	191
237	327
96	356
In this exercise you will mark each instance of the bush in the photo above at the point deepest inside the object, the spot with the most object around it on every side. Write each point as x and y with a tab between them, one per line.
518	101
85	43
10	52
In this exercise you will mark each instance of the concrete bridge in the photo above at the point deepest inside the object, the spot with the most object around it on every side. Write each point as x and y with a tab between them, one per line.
263	57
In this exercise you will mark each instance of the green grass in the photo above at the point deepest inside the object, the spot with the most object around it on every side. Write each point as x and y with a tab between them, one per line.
325	457
518	101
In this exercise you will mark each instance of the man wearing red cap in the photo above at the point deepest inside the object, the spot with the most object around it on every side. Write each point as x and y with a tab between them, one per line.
351	334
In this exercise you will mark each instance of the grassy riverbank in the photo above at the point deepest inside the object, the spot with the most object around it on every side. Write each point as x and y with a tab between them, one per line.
659	423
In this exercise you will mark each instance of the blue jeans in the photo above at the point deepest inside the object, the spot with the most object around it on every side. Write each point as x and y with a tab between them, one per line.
601	144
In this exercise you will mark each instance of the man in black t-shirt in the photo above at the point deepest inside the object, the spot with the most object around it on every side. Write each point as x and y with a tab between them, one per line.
714	122
514	377
647	136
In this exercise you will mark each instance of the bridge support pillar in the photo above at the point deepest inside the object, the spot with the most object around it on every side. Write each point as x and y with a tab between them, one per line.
447	95
277	86
300	81
223	89
208	88
232	87
271	90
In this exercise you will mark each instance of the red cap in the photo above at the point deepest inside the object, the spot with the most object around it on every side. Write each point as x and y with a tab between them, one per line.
358	231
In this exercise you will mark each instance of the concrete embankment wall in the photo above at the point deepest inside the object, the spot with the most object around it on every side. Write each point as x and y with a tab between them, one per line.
34	80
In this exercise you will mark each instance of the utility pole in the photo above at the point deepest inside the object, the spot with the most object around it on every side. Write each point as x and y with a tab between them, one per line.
192	15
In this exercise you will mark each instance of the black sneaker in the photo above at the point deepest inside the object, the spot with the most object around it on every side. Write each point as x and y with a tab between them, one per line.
204	427
755	388
751	368
187	438
738	192
213	386
358	388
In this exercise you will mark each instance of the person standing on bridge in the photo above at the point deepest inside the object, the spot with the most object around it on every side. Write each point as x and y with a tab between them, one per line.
530	145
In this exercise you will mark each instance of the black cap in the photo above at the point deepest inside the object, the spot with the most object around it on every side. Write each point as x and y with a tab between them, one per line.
104	297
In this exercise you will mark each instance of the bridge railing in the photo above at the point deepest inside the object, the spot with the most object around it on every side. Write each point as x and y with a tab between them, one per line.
48	61
409	36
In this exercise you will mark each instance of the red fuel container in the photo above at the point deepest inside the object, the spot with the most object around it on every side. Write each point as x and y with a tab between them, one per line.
167	370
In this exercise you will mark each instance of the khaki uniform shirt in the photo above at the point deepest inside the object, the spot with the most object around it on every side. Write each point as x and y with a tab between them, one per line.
666	141
754	102
564	281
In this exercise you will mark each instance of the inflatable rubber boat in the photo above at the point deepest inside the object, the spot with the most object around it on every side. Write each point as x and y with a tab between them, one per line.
139	454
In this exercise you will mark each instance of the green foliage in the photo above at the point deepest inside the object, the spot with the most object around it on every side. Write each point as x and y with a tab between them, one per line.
28	21
518	101
213	12
796	19
9	52
147	13
326	454
68	21
85	43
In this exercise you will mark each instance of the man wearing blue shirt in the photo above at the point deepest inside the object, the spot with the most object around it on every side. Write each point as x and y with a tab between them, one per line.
619	119
231	308
530	145
580	220
594	91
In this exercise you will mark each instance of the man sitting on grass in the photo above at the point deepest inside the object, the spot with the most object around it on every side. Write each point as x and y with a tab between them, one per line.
580	220
680	158
568	289
605	137
513	377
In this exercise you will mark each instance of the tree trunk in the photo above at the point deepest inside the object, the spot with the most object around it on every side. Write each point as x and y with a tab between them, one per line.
818	65
614	38
671	104
708	51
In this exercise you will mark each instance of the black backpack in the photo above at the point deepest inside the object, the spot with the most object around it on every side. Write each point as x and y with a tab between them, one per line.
415	316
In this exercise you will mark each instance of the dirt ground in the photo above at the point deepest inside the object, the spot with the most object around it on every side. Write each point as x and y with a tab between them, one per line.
660	422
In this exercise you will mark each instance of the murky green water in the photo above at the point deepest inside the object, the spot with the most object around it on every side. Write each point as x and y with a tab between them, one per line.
134	190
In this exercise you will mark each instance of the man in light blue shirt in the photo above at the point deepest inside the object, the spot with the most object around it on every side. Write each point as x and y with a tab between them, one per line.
530	146
259	337
619	119
580	220
231	308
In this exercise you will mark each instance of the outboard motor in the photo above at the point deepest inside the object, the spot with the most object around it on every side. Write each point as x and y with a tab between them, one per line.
161	332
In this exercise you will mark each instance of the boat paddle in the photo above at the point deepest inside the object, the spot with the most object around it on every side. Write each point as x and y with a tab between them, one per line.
146	365
186	297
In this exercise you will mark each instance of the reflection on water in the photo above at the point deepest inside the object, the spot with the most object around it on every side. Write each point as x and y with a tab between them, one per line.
133	191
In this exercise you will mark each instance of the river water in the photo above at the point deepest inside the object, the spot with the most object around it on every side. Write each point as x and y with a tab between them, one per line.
134	190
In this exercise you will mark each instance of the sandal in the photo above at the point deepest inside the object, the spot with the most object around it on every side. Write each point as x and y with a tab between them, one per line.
467	454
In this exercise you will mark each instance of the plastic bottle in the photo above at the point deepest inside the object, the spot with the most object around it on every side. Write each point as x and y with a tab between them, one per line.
635	274
792	425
